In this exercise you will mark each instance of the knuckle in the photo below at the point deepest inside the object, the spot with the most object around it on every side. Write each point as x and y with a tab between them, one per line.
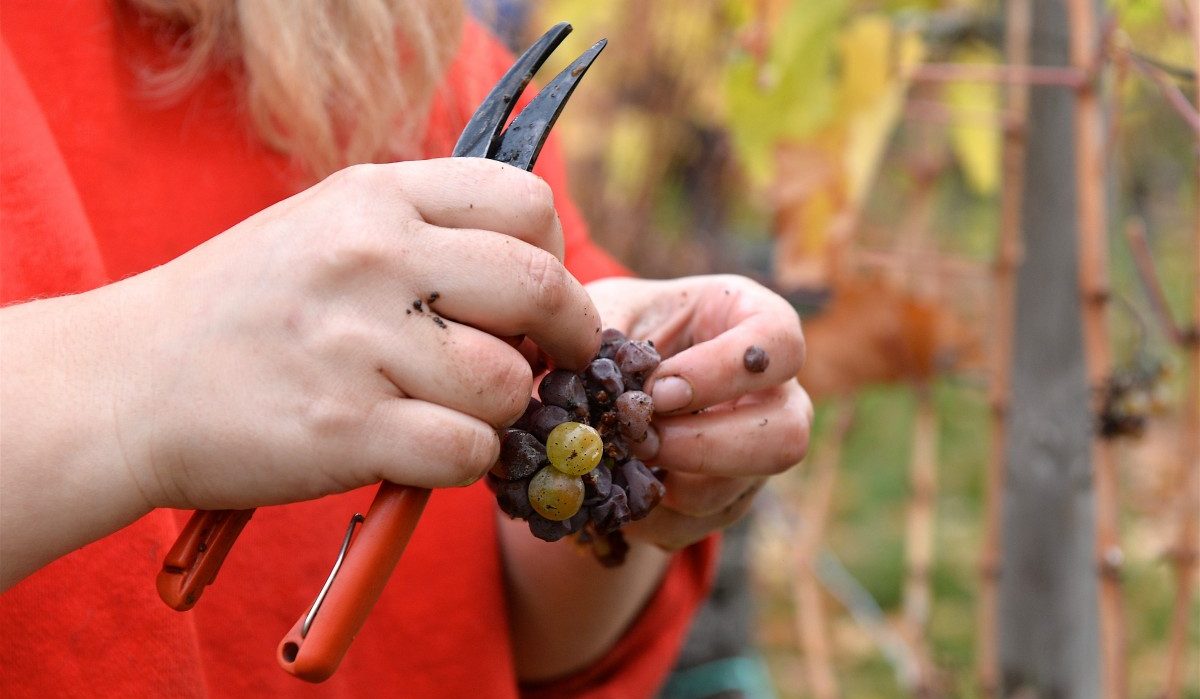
549	281
354	257
338	339
363	175
331	419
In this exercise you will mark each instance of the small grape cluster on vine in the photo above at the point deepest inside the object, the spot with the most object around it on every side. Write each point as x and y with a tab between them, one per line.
1131	395
567	466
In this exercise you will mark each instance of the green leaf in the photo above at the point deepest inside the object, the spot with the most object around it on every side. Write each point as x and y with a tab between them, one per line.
792	93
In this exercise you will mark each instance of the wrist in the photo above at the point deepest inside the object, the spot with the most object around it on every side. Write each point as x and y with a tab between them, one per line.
547	583
68	474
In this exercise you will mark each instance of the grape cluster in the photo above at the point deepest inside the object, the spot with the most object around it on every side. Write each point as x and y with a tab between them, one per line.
566	466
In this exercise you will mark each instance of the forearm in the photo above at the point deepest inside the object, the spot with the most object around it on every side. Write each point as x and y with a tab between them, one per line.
565	609
63	479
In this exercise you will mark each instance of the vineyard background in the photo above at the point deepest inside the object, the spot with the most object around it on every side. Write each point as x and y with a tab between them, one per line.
850	154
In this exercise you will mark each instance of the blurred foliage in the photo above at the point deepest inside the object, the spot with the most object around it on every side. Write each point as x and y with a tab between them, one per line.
789	141
973	132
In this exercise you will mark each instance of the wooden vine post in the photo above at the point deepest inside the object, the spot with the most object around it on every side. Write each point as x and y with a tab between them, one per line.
1008	257
1185	554
919	536
811	623
1094	289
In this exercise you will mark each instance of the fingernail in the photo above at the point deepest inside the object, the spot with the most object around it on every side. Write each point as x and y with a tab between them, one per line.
671	393
647	449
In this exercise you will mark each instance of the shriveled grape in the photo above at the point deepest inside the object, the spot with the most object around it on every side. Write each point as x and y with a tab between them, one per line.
637	358
598	482
610	342
548	529
634	410
564	389
511	496
521	454
525	421
603	374
545	419
642	489
613	513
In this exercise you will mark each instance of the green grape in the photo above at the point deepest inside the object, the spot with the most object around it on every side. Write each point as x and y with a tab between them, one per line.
555	495
574	448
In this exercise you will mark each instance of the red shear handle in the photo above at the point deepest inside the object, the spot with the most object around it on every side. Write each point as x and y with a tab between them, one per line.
355	584
193	562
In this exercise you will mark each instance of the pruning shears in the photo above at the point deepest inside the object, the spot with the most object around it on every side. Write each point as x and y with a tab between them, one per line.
315	645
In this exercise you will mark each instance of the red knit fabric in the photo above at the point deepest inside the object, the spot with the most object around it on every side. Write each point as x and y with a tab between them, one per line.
100	183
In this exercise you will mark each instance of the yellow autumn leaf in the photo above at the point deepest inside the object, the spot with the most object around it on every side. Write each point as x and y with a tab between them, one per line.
879	93
865	49
975	135
789	96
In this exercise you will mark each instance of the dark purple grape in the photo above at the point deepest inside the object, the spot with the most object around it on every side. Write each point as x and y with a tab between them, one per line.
525	422
603	374
642	489
597	482
634	410
610	342
546	419
511	496
521	454
547	530
755	359
613	513
637	358
579	520
564	389
611	336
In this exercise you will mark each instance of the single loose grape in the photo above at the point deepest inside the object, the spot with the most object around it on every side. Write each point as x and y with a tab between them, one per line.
574	448
634	410
555	495
756	360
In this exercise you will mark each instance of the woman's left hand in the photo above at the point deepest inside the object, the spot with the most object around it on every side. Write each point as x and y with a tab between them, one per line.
720	429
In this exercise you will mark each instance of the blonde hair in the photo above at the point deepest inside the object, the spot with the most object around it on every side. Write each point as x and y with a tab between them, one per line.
328	82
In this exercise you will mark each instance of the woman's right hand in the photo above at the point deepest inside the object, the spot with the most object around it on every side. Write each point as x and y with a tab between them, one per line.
349	334
352	334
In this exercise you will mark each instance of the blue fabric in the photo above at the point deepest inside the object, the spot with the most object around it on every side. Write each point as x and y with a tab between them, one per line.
747	675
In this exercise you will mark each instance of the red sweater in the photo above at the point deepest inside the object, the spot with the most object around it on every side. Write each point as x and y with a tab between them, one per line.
99	184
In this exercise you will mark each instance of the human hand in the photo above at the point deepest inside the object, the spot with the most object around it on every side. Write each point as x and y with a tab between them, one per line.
347	335
719	428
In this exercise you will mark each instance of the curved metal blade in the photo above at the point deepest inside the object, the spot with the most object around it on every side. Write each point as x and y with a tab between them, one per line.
521	143
478	139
